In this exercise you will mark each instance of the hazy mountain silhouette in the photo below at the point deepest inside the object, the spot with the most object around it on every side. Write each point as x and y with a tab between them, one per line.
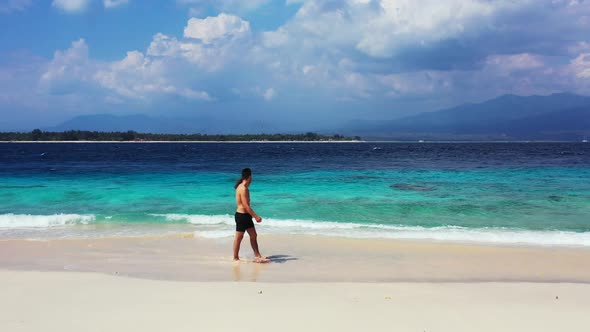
558	116
202	124
555	117
139	123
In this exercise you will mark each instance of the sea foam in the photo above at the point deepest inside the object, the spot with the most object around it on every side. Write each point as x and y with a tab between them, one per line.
41	221
221	226
401	232
197	219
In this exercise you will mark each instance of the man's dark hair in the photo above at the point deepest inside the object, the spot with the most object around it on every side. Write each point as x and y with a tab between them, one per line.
246	173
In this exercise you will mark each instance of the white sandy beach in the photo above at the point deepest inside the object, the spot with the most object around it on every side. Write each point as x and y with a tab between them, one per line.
181	283
68	301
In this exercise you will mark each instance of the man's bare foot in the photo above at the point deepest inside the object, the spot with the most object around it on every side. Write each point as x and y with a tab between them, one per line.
236	259
261	259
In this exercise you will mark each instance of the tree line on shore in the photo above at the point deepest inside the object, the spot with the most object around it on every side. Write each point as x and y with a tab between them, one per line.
84	135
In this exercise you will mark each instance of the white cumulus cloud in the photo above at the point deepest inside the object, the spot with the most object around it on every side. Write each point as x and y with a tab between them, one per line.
139	77
370	50
69	64
193	94
269	94
71	6
213	28
509	63
581	66
421	83
114	3
136	76
209	43
381	29
277	38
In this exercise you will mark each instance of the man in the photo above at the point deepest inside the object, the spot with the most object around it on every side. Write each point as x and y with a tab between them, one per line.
243	217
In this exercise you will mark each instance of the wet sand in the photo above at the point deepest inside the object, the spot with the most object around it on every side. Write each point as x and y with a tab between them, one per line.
299	258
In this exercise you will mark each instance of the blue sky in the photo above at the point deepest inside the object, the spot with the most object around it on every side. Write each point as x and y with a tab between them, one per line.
282	65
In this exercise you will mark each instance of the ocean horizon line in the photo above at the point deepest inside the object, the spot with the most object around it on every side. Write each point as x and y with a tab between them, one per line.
335	141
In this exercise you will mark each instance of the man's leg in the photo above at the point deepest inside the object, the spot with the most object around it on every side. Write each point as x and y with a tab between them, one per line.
237	242
254	243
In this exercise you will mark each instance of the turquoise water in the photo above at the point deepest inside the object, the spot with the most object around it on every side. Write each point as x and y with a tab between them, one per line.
540	199
515	204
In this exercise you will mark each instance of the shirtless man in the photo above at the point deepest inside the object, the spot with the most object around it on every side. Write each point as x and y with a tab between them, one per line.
243	217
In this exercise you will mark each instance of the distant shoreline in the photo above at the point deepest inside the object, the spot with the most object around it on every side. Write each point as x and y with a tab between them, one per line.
246	142
136	142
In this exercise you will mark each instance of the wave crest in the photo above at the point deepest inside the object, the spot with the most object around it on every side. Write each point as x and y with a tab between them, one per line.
41	221
399	232
221	226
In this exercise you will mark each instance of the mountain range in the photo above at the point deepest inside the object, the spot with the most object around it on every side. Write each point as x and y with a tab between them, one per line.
138	122
555	117
509	117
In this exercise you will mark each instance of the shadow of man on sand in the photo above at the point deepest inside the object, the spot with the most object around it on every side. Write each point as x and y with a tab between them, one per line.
281	258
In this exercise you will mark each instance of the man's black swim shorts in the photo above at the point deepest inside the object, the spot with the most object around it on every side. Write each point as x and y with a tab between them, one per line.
243	221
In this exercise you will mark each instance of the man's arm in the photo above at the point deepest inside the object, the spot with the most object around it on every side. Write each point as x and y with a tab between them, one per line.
245	198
